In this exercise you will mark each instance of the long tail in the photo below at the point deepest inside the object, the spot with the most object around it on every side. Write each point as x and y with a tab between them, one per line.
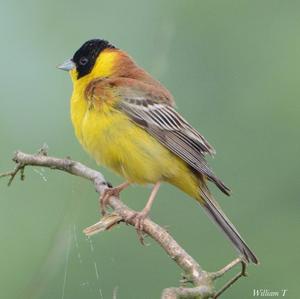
217	215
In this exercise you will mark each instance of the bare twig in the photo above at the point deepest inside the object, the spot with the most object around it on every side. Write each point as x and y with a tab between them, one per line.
233	280
202	280
19	167
185	293
225	269
107	222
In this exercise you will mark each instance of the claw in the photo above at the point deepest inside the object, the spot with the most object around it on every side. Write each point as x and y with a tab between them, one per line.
142	215
139	218
107	193
103	200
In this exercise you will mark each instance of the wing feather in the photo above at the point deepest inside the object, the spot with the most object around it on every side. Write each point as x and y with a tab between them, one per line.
152	109
169	128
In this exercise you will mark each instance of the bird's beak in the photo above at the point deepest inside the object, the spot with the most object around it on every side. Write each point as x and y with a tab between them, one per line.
67	65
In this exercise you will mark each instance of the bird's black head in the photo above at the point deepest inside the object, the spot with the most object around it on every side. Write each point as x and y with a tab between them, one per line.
86	56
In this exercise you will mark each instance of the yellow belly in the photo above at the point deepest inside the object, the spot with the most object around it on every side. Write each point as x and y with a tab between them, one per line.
117	143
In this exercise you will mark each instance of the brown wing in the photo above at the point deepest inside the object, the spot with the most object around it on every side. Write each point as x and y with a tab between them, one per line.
152	109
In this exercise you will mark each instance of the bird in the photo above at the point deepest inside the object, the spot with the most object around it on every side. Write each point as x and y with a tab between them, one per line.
127	121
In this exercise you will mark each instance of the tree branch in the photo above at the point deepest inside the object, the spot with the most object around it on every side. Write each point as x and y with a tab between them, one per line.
201	280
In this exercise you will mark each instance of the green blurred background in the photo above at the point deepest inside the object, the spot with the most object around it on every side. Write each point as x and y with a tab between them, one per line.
234	69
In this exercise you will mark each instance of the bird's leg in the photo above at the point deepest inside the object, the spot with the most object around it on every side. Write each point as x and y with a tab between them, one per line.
104	197
140	216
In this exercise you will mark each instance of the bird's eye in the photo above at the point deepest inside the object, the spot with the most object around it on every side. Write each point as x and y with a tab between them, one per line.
83	61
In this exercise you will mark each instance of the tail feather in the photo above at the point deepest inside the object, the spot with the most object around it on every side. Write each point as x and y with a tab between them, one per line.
212	208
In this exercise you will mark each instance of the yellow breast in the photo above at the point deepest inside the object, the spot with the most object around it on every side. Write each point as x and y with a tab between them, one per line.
115	142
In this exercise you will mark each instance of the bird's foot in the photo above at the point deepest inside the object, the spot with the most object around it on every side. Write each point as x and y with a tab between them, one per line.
139	219
107	193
